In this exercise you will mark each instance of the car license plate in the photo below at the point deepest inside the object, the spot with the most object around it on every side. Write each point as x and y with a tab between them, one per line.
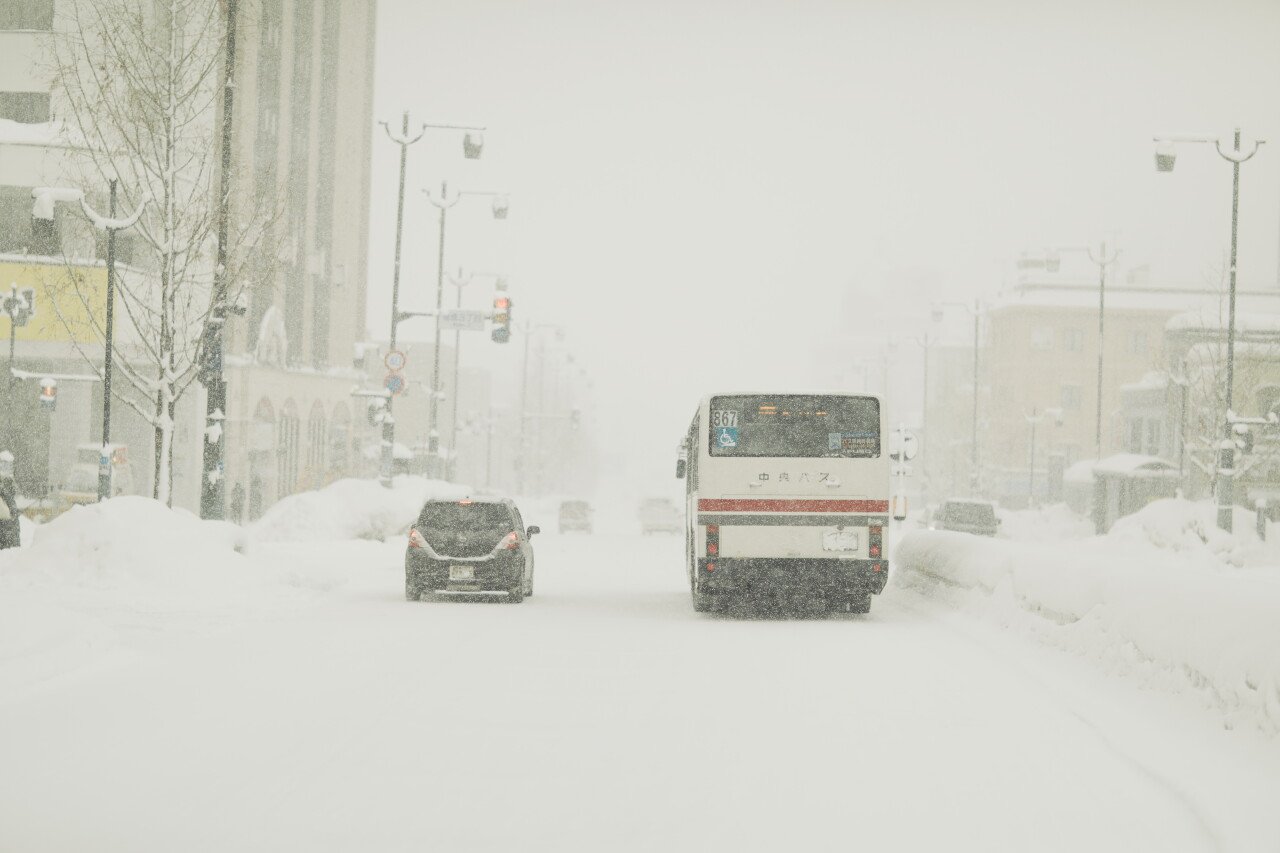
840	540
462	573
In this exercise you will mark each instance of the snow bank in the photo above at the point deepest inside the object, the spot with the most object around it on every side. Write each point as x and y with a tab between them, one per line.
1055	521
126	541
351	509
1143	600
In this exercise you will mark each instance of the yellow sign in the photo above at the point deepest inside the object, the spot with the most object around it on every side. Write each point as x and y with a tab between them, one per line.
70	300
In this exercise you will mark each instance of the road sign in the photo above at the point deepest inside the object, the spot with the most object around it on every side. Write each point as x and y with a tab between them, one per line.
395	360
462	320
394	383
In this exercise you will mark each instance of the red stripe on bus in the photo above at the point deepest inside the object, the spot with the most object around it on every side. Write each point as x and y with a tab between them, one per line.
760	505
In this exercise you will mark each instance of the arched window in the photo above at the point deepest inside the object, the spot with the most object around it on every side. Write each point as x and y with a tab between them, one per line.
317	438
340	441
262	448
287	449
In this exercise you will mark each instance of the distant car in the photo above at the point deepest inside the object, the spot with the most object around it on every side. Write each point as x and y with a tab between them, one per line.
475	546
659	515
967	516
575	516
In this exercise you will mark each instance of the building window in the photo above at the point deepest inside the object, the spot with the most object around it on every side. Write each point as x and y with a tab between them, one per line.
1133	437
1071	398
1042	338
1154	434
26	15
25	107
15	219
1073	340
1268	399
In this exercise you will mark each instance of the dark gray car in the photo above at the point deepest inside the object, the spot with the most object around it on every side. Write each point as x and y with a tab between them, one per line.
967	516
471	546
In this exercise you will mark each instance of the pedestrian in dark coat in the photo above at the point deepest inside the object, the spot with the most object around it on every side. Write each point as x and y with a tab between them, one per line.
10	532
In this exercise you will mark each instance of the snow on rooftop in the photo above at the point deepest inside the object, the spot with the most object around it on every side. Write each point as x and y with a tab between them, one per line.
1246	322
1152	380
1133	463
1174	299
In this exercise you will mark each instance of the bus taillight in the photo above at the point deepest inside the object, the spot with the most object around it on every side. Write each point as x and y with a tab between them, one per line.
713	541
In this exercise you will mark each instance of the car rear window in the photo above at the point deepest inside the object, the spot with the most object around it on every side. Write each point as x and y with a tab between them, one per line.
969	513
465	517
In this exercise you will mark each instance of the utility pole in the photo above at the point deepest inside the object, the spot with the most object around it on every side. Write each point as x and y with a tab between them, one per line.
973	476
105	462
212	485
387	458
1165	159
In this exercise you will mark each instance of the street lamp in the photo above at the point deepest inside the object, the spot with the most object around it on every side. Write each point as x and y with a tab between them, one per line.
1102	260
976	310
461	281
529	330
925	343
1165	159
443	203
472	144
43	208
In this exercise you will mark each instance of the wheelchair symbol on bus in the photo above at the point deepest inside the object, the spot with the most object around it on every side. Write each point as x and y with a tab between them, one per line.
726	437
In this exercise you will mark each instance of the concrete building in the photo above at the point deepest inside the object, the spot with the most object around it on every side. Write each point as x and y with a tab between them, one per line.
1038	358
303	134
301	151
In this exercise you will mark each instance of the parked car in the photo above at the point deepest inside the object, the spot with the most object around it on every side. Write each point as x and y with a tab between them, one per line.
659	515
469	546
575	516
967	516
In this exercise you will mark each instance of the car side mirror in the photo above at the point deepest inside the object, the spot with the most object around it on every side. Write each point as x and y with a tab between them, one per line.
680	469
533	528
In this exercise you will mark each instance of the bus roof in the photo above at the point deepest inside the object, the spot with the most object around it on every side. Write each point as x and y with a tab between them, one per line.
706	398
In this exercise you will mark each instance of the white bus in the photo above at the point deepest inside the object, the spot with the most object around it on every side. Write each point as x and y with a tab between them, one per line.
786	494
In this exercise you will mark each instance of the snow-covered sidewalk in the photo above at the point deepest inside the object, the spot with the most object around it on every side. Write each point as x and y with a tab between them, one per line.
1165	596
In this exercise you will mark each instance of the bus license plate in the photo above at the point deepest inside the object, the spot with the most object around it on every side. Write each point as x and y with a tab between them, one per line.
840	540
462	573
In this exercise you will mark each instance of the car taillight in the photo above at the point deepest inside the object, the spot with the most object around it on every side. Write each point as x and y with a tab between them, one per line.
415	539
511	542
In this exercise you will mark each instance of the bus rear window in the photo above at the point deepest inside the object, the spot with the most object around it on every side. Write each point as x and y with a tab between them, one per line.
795	425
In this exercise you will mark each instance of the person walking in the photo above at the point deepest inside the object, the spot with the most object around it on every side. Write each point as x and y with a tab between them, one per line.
10	530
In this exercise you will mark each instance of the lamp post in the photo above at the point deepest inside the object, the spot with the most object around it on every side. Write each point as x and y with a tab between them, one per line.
1102	260
213	458
499	207
1165	158
925	343
45	197
976	310
529	330
461	281
472	146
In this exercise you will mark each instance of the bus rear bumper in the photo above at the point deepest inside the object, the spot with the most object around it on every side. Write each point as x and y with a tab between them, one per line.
832	578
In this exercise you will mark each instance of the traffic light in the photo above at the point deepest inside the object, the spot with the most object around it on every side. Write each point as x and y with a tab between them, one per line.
49	393
501	319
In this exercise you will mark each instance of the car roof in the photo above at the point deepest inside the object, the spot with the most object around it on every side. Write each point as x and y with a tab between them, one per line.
968	501
478	500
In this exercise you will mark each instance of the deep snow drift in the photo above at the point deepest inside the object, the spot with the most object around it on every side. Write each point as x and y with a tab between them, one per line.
1165	595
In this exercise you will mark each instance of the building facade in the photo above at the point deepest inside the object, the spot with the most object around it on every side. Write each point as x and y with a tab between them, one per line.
302	128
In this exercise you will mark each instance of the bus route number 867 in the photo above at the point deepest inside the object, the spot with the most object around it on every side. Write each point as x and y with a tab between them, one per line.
724	418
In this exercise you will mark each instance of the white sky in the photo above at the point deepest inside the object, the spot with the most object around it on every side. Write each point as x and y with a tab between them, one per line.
722	195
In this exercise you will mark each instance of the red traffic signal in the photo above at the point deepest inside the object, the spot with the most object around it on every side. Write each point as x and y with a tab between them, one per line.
501	319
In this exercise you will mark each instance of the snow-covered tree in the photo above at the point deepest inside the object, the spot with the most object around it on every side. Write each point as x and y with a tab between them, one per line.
139	83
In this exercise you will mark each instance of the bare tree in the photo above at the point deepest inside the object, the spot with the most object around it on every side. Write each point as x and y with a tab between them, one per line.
139	82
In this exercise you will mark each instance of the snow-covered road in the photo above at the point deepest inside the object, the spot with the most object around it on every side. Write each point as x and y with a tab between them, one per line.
604	714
